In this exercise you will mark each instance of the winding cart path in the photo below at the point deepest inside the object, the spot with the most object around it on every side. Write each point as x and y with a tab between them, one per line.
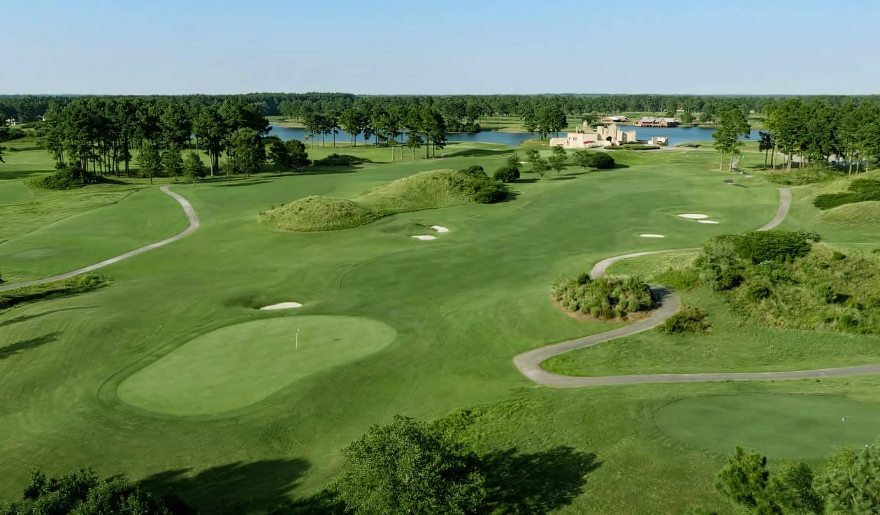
191	228
529	363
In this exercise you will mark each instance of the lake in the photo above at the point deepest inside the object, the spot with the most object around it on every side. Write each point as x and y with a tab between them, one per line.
676	135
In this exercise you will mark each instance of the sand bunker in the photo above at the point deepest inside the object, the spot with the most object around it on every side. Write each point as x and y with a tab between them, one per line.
651	236
707	222
439	228
425	237
693	216
283	305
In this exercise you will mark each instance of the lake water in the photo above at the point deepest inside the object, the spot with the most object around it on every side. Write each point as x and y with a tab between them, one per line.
676	135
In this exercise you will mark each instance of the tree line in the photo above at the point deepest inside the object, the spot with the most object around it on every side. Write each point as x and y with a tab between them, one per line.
28	108
811	133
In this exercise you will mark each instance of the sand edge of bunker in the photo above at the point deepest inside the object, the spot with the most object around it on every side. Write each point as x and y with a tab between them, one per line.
195	378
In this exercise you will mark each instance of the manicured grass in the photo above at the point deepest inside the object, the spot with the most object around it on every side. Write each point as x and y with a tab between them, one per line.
239	365
462	307
858	214
782	426
92	225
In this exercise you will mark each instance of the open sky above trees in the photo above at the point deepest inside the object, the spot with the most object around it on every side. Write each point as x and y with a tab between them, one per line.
398	47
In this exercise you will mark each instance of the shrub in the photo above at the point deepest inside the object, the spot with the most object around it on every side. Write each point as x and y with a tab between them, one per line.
66	177
605	298
772	246
689	319
506	174
800	177
603	161
481	188
860	190
340	160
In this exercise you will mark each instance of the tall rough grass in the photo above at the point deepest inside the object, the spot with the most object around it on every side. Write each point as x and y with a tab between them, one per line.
605	298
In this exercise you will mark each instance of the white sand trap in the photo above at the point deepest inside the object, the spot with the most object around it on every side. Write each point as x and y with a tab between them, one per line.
283	305
439	228
651	236
693	216
425	237
707	222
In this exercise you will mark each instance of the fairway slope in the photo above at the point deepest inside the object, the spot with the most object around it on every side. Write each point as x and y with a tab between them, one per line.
191	228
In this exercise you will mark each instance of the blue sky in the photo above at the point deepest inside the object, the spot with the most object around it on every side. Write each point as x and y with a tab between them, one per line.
439	47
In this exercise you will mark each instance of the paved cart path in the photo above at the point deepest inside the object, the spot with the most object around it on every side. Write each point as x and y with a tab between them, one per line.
191	228
529	363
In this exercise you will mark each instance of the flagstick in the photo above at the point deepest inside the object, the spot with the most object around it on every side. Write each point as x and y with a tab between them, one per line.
297	338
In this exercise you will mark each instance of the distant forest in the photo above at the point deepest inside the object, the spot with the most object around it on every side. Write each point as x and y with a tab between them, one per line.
466	108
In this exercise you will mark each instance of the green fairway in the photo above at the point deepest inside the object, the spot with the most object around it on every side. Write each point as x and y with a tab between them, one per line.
782	426
130	378
236	366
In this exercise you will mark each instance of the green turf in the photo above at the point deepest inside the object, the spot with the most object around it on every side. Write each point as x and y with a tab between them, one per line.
782	426
858	214
236	366
96	225
462	307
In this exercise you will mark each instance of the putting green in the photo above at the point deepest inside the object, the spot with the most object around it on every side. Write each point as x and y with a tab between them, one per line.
239	365
779	426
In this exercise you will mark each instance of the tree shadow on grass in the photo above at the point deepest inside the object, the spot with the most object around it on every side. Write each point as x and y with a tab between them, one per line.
535	483
19	347
234	488
241	183
25	318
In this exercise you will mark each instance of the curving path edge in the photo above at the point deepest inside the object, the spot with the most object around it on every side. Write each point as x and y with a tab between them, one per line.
191	228
529	363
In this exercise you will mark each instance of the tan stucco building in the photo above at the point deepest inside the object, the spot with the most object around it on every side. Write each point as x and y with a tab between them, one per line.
587	137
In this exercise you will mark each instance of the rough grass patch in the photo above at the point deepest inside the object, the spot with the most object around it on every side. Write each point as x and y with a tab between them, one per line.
318	214
689	319
606	298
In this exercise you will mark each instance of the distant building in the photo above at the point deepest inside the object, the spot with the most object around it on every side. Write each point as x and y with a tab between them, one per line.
11	121
587	137
650	121
615	119
660	141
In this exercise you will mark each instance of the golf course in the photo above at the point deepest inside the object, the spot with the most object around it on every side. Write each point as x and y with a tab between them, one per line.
391	291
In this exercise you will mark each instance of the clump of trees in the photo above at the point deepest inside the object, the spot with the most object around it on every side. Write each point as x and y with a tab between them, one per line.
788	279
727	135
84	493
847	483
589	159
482	188
605	298
816	132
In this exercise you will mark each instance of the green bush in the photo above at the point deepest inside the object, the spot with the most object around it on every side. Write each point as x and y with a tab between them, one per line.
772	246
66	177
689	319
605	298
481	188
860	190
603	161
340	160
506	174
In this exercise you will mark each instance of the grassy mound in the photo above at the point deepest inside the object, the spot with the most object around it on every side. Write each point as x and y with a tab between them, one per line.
860	213
860	190
318	214
605	298
426	190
